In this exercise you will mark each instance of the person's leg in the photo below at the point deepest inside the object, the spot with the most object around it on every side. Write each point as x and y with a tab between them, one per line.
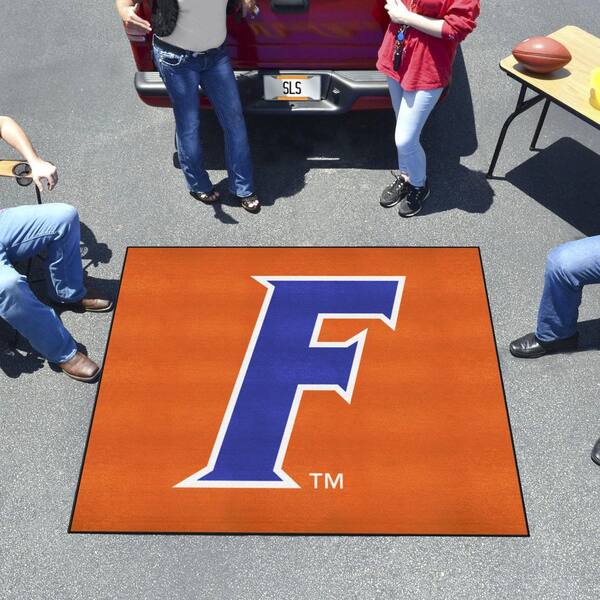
182	80
219	84
35	321
396	92
569	267
414	110
25	231
393	193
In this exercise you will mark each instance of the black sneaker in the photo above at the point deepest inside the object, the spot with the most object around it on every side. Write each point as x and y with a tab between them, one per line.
413	202
395	192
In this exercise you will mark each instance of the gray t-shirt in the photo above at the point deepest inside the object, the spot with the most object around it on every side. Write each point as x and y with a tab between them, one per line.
201	25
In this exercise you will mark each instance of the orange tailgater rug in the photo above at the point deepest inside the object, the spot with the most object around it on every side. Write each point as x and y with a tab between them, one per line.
301	391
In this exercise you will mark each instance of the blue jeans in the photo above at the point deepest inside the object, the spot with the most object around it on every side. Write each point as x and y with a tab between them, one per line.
412	110
24	232
569	268
182	73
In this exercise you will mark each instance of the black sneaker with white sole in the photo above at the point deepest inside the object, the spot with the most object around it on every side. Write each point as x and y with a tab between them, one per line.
413	202
394	192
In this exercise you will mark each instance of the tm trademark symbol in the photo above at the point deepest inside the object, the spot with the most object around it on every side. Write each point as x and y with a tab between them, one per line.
327	481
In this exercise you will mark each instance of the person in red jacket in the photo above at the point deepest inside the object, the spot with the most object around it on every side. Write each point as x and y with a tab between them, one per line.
417	54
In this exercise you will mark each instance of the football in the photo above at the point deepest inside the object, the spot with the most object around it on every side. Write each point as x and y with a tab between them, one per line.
541	54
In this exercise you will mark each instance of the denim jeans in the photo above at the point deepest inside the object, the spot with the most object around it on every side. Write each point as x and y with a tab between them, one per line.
182	73
24	232
412	110
569	268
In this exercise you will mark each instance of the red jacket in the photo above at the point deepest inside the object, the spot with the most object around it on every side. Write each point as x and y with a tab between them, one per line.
427	60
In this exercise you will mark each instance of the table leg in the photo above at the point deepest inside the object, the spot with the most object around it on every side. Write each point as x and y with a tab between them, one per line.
540	124
522	106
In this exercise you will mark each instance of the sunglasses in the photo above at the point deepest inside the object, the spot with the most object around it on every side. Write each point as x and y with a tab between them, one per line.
22	173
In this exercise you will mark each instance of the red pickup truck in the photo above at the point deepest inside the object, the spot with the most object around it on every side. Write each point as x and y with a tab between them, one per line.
296	56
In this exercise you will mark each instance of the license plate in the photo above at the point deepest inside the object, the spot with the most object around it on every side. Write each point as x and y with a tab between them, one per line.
299	88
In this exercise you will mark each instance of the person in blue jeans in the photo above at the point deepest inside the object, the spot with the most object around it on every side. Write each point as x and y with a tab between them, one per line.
191	54
570	267
25	231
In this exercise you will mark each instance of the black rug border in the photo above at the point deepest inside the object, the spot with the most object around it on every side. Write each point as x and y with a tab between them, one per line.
70	529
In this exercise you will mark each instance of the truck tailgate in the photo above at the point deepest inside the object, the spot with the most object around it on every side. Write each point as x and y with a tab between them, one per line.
313	34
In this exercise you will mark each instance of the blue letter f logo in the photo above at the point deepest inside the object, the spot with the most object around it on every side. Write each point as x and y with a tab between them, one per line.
284	358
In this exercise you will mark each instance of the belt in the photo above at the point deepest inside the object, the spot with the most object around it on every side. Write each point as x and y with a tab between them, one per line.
177	50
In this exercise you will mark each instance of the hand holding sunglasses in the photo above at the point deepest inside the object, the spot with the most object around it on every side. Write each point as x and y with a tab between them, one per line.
42	172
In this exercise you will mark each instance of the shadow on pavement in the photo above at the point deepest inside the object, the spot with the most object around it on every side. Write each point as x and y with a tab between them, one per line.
565	178
14	362
285	148
92	250
589	335
449	135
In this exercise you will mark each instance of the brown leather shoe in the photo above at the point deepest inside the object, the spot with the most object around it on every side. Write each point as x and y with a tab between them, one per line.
81	368
93	302
96	304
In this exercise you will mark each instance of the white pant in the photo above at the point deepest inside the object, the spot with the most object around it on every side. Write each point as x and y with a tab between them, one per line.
412	110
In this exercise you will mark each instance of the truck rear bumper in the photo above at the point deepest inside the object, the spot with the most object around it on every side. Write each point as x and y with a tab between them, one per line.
340	92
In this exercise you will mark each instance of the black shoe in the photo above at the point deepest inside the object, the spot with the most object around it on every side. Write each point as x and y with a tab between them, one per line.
529	346
206	197
395	192
413	202
596	452
249	203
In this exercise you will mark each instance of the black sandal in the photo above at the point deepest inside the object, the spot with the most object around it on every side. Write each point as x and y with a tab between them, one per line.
206	197
250	203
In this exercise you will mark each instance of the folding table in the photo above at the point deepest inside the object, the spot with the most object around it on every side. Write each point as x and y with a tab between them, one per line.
568	87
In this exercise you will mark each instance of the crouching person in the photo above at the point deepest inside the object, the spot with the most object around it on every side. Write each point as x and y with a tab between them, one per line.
570	267
25	231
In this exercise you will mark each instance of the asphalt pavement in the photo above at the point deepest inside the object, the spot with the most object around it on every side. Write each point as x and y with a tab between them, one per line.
66	74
